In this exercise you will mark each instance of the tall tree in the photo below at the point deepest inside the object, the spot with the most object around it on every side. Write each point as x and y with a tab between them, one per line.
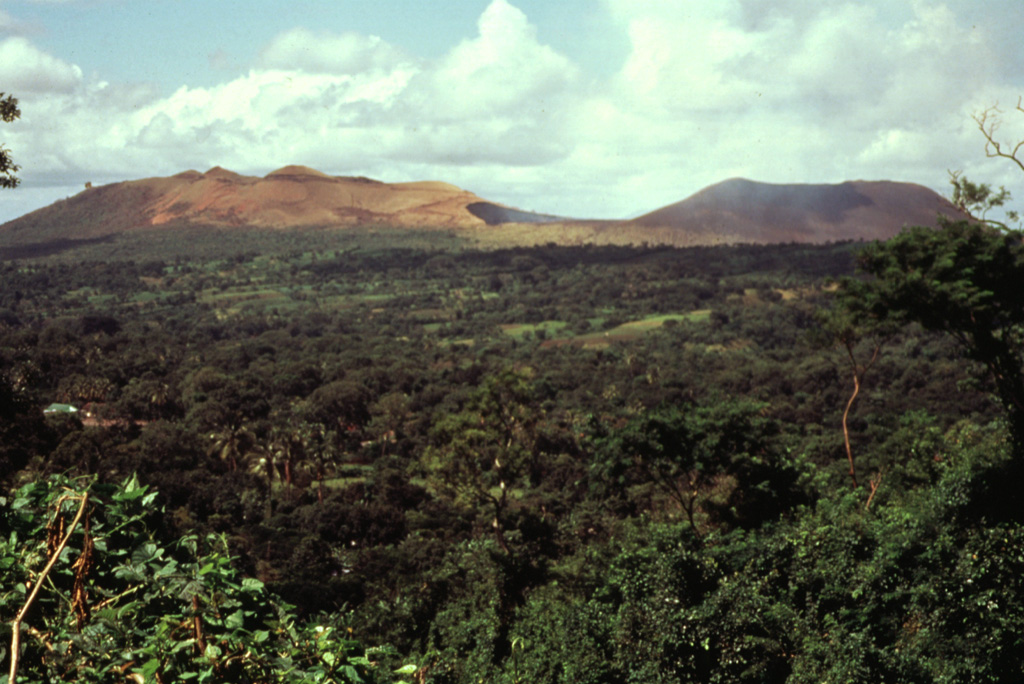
718	463
318	452
962	279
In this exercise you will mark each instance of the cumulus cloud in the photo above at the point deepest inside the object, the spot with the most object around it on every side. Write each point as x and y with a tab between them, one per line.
800	91
503	69
26	68
344	103
500	97
838	59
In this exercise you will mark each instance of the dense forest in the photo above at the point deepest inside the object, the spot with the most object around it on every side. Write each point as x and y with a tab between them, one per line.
317	458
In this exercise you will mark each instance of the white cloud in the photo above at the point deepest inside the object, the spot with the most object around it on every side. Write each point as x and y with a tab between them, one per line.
681	56
501	97
348	53
25	68
502	71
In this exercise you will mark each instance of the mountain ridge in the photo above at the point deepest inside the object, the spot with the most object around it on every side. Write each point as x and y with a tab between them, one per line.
736	210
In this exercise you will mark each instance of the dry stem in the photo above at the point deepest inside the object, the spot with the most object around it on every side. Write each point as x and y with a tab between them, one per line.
16	624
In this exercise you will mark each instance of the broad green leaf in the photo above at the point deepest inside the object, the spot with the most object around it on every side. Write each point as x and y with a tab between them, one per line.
252	584
235	621
169	569
146	552
193	588
131	491
129	572
149	668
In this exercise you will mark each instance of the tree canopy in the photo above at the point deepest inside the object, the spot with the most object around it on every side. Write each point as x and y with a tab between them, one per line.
964	280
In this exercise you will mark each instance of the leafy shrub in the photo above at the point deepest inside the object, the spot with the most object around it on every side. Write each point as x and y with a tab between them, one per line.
120	604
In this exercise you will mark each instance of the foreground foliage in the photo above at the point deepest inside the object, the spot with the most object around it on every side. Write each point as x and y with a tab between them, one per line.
118	604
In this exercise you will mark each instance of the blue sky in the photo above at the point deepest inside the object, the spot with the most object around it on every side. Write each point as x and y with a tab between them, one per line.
589	108
225	37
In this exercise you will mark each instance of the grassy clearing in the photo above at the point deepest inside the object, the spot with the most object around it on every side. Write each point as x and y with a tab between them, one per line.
653	322
631	330
517	330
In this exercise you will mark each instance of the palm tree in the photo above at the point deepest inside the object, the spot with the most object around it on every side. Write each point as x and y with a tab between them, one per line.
231	443
320	454
289	447
263	462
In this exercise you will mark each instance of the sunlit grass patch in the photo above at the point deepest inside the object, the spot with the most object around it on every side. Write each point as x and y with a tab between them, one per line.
519	329
630	330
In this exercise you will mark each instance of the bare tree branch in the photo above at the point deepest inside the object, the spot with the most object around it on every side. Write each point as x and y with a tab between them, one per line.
989	121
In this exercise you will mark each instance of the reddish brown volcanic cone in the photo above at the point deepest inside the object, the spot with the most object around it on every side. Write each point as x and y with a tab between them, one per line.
739	210
290	197
300	196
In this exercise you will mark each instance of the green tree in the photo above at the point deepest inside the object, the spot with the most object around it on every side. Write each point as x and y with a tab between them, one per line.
318	452
342	407
232	443
263	462
23	432
719	464
483	452
8	112
963	279
388	416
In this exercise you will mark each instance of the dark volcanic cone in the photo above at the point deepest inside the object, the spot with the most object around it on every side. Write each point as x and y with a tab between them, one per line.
740	210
